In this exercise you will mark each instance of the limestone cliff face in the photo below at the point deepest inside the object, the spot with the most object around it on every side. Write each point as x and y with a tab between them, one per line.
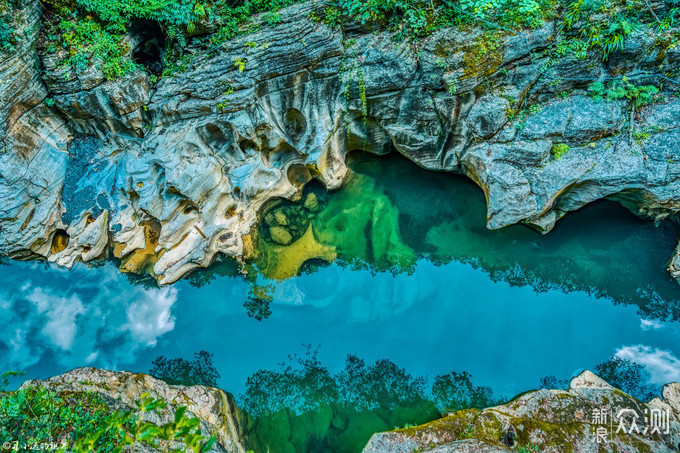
172	174
549	421
216	410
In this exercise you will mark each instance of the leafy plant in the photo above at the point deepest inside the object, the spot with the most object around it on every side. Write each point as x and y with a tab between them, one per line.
615	36
623	89
35	415
638	96
240	63
7	34
559	149
132	430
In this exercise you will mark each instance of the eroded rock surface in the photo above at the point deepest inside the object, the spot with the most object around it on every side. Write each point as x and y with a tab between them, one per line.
215	409
549	421
168	175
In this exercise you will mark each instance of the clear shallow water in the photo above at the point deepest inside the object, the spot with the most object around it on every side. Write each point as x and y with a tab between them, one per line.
508	306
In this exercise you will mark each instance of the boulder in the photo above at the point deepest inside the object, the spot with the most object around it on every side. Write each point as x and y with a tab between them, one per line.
280	235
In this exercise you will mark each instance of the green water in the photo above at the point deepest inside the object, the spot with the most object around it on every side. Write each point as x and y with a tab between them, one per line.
388	218
391	213
398	284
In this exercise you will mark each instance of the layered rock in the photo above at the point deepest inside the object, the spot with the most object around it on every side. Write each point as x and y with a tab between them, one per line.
550	421
172	174
215	409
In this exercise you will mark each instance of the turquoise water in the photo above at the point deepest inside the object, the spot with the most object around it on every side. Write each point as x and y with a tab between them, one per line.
508	307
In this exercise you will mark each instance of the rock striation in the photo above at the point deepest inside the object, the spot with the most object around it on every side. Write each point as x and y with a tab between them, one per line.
550	421
216	410
168	175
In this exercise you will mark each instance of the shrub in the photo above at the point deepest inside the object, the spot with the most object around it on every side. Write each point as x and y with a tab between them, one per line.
623	89
7	35
82	422
86	39
92	30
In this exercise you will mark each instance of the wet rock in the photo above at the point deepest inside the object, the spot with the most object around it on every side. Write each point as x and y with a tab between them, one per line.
270	220
280	218
280	235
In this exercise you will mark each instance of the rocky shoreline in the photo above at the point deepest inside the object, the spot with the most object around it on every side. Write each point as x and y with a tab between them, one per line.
165	176
546	420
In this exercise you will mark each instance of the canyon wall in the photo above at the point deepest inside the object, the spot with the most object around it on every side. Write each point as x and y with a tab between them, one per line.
166	175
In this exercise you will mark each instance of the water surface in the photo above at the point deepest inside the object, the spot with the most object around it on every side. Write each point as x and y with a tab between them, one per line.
418	281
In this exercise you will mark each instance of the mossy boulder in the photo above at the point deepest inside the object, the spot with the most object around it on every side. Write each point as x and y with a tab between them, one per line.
312	202
280	235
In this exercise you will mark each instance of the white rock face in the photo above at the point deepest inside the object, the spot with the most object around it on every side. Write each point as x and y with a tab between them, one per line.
167	176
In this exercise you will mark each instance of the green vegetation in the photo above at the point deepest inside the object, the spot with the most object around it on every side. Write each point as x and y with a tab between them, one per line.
602	26
559	150
638	96
7	35
82	422
623	89
88	32
199	371
36	415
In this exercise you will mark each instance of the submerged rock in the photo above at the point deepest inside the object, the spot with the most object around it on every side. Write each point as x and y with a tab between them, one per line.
280	235
551	421
312	202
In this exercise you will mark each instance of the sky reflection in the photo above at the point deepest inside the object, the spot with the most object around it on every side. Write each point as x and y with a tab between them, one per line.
438	319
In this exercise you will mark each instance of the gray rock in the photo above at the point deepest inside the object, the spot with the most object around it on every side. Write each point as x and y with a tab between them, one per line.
488	116
200	153
553	420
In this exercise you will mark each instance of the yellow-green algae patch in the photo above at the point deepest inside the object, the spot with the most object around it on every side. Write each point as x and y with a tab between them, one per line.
284	261
357	224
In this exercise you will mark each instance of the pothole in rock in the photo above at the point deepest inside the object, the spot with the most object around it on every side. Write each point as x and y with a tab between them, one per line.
285	221
295	123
